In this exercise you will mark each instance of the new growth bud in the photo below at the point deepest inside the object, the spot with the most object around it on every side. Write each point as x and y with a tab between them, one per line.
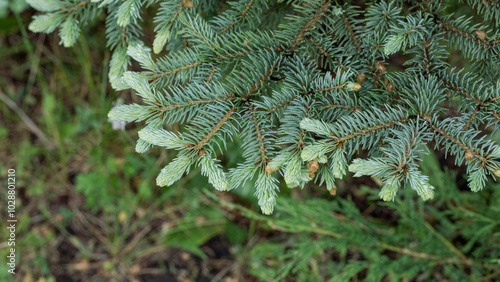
188	3
469	156
389	86
380	67
481	34
313	166
352	86
496	172
361	77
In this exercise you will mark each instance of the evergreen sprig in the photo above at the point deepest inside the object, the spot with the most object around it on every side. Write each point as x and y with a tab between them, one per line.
303	86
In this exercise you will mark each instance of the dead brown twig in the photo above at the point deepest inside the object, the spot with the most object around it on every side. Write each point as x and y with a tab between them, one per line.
27	120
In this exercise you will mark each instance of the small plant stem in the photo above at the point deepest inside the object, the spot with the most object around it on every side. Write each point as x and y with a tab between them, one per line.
446	242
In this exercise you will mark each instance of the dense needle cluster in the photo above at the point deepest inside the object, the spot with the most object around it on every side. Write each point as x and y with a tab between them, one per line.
305	87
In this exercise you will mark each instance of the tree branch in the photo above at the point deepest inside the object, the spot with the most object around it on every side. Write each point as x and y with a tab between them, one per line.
215	129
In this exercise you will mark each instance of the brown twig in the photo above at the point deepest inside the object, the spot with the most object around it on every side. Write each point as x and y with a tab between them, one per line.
259	133
326	54
242	16
351	31
282	105
181	68
312	22
258	84
369	129
456	141
211	75
192	103
25	118
215	129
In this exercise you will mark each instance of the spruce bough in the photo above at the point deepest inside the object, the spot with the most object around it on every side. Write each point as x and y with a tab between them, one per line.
306	87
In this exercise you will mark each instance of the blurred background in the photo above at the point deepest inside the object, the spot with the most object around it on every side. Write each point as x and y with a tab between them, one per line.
88	208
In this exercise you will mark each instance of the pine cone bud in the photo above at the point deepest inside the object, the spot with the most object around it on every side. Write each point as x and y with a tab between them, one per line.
313	166
469	156
380	67
269	170
201	153
188	3
333	191
481	34
389	86
496	172
352	86
361	77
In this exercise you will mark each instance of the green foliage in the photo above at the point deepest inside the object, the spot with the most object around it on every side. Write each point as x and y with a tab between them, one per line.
306	85
88	198
455	236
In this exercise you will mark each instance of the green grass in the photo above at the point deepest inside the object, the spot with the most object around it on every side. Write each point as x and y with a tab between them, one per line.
88	207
